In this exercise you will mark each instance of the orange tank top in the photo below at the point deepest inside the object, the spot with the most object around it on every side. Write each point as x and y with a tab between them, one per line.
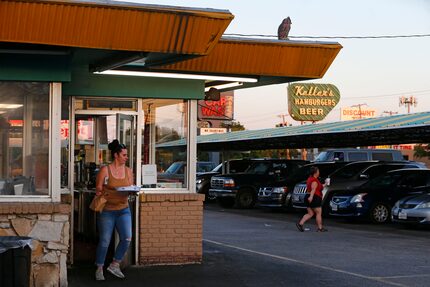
116	200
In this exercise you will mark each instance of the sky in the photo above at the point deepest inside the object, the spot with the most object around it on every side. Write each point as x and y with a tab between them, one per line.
375	72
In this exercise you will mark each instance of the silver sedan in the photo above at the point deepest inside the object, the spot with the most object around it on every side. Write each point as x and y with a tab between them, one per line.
412	209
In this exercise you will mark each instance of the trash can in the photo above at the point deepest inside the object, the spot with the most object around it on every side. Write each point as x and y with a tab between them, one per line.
15	261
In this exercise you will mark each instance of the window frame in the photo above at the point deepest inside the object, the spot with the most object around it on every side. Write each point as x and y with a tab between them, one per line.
191	155
54	154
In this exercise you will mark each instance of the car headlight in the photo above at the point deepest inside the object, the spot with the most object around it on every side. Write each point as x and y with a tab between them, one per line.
279	189
424	205
228	182
397	204
200	181
358	198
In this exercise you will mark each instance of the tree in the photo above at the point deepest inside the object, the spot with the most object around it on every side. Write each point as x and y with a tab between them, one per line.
421	151
233	126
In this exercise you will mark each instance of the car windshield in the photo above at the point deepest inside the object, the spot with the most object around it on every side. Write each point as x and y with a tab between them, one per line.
204	166
323	156
349	170
300	174
385	180
174	167
218	168
259	168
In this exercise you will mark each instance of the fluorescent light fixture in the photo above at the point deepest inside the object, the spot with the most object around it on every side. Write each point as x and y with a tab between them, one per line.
177	76
10	106
225	86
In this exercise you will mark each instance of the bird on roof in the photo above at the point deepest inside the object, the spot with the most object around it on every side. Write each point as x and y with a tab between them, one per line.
284	29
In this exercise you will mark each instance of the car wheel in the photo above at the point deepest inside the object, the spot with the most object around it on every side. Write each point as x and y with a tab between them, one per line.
380	213
245	199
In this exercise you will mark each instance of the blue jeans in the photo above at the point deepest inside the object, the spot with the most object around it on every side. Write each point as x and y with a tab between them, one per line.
107	221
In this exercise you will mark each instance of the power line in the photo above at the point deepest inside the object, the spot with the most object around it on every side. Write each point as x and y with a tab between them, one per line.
422	92
334	37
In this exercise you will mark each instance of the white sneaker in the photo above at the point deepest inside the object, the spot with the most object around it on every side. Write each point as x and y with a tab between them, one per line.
114	269
99	275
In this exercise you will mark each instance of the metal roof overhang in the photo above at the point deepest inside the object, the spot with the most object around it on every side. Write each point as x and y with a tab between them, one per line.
159	34
410	128
269	61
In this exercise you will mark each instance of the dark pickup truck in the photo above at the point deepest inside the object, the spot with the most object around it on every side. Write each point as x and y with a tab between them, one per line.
241	189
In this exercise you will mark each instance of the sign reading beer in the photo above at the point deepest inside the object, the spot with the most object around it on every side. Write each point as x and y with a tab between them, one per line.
311	102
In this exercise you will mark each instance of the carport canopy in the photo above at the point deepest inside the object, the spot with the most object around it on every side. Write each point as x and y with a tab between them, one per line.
409	128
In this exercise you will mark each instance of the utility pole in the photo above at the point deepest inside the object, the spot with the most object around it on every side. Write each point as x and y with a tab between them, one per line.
283	122
390	113
359	108
408	102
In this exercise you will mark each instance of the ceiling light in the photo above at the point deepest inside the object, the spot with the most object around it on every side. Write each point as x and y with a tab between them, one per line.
177	76
10	106
225	86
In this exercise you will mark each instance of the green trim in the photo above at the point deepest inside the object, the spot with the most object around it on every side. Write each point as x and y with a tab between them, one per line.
40	68
86	84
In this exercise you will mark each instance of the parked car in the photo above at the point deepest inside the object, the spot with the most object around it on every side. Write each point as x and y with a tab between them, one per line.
176	171
412	209
375	198
241	189
351	155
278	194
203	179
349	176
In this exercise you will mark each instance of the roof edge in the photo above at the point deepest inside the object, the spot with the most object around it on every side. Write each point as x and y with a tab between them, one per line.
203	12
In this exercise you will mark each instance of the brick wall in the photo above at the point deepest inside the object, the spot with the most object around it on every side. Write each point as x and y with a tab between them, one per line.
170	229
49	226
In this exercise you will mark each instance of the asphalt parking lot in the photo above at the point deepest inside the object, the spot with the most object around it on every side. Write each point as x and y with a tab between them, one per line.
260	248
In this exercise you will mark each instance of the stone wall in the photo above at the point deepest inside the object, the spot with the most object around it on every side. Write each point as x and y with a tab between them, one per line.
170	229
49	226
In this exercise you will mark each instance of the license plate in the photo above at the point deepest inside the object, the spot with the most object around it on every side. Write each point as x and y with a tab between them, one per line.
334	207
403	215
296	198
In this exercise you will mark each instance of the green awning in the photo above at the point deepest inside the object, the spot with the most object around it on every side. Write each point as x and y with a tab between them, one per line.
409	128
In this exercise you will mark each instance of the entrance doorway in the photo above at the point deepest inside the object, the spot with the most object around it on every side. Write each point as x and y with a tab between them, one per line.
97	123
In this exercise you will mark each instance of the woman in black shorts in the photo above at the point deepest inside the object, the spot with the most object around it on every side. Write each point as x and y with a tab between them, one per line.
314	200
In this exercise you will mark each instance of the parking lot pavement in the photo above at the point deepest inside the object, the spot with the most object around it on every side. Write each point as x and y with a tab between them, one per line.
364	254
258	248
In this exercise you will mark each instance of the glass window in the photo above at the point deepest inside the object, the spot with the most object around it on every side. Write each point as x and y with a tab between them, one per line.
338	156
349	170
65	140
414	180
164	143
356	156
387	156
24	138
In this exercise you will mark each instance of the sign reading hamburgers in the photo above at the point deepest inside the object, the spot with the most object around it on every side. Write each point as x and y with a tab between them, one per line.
311	102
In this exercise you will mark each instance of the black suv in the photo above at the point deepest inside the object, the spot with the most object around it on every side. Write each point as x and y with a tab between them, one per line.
203	179
241	189
278	194
375	199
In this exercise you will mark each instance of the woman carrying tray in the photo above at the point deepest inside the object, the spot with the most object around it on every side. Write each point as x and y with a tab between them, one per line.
116	213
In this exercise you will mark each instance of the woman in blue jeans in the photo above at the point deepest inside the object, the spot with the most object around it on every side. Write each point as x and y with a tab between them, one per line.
116	213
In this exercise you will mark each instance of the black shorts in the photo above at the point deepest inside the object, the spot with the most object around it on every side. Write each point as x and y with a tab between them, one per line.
316	201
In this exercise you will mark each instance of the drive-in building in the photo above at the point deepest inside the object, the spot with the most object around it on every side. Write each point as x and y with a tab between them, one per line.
74	75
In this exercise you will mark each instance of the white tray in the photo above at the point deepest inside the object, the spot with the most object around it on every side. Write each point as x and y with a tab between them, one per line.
130	188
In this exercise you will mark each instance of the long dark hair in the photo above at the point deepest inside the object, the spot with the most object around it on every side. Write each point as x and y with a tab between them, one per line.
115	147
313	170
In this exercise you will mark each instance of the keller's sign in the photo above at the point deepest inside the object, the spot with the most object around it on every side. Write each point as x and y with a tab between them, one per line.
311	102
